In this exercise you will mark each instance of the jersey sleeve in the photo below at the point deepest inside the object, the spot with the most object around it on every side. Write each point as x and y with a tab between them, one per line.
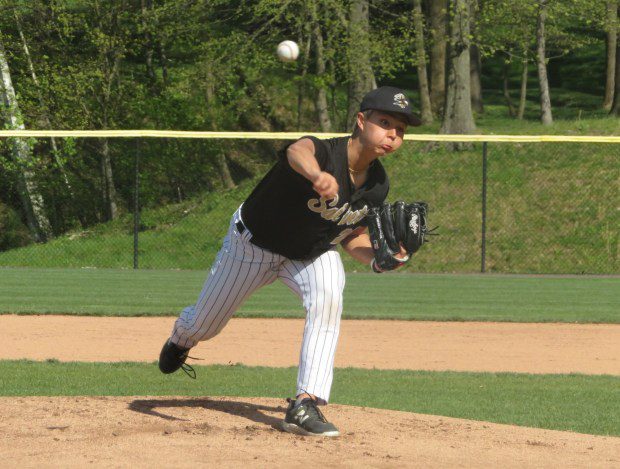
321	153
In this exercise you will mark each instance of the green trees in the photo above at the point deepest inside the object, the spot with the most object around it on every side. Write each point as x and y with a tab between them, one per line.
210	65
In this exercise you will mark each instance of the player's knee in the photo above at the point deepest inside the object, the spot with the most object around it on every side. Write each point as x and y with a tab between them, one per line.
334	297
328	305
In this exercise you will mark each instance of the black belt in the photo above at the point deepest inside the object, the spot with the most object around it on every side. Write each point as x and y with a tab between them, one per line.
240	227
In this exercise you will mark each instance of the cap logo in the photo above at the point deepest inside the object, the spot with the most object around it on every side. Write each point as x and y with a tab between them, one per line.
400	100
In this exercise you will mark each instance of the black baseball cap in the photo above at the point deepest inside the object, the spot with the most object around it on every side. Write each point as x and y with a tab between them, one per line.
390	99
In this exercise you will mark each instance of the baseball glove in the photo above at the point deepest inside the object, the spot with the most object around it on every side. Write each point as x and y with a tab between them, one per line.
410	224
393	225
383	239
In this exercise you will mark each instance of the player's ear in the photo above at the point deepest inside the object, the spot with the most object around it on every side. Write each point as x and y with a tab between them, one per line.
361	120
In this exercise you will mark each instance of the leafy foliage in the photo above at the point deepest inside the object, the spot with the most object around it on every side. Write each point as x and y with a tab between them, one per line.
210	65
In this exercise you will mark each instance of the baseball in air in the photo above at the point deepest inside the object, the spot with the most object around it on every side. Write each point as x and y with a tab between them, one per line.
288	51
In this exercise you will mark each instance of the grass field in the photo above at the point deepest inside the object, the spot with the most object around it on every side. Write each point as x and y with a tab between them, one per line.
391	296
586	404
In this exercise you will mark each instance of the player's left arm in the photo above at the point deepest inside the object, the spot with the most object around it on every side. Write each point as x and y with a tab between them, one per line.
359	247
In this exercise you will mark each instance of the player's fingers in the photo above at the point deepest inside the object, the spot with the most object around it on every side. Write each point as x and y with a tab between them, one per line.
320	187
326	186
328	194
332	189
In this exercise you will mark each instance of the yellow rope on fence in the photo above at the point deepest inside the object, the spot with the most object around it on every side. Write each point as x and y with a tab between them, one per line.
296	135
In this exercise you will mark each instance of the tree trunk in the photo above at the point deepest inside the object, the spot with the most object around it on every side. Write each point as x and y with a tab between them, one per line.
44	115
438	20
227	179
110	55
321	93
109	190
30	196
426	113
337	116
541	61
361	78
615	107
611	27
475	73
458	117
523	92
145	6
511	108
475	62
305	42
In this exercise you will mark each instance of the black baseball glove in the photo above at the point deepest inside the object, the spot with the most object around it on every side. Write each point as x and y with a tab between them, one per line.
384	242
410	224
393	225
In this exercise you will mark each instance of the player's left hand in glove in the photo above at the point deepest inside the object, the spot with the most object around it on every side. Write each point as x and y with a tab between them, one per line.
410	225
385	245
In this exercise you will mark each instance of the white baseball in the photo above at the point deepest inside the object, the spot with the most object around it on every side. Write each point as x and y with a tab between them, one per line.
288	51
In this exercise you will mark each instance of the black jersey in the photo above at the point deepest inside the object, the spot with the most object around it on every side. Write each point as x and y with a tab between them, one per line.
286	216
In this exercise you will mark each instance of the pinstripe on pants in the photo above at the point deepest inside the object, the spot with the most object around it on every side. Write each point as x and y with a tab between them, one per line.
240	269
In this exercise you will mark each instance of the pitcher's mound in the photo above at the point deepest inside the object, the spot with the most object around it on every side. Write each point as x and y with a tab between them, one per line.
244	432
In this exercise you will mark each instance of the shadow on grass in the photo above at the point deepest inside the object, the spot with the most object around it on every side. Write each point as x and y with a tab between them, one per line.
242	409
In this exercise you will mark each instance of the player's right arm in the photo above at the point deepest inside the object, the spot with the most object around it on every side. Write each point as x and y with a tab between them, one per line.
300	156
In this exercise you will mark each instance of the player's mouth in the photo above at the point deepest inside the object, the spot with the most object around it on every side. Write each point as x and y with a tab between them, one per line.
387	148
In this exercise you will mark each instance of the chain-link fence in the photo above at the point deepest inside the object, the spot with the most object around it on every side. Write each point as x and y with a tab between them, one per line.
500	206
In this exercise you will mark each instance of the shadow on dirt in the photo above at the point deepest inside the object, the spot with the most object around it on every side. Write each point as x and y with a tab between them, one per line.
250	411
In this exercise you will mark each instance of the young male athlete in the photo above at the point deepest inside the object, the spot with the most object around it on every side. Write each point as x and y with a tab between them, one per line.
315	197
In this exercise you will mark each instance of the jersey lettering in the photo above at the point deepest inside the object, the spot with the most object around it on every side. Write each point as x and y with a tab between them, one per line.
328	211
343	234
353	216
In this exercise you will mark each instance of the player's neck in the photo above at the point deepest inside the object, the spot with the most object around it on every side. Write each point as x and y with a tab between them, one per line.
359	161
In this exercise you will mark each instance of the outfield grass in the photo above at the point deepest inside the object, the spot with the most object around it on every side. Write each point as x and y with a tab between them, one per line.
580	403
390	296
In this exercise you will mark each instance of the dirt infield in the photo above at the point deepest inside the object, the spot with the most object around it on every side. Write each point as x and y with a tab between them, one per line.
413	345
231	432
224	432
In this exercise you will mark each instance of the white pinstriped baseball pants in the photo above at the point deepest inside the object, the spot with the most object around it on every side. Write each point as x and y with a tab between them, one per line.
240	269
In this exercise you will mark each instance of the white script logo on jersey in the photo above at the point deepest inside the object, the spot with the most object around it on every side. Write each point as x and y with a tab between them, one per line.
330	212
344	215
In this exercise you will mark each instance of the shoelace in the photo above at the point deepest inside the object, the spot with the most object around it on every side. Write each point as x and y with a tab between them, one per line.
318	411
312	408
188	369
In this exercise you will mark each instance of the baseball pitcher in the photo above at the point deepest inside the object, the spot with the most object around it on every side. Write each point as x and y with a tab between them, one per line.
319	194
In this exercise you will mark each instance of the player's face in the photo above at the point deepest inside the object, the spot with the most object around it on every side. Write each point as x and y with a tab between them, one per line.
382	133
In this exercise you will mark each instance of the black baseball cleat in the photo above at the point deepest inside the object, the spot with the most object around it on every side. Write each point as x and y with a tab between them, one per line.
172	357
306	419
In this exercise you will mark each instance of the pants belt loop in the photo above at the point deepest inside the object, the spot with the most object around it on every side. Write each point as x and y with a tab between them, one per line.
240	227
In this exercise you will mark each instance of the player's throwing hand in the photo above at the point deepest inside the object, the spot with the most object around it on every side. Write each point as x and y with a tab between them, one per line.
325	185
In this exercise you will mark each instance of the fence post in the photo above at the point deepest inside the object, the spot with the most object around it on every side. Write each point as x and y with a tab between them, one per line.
136	205
484	209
